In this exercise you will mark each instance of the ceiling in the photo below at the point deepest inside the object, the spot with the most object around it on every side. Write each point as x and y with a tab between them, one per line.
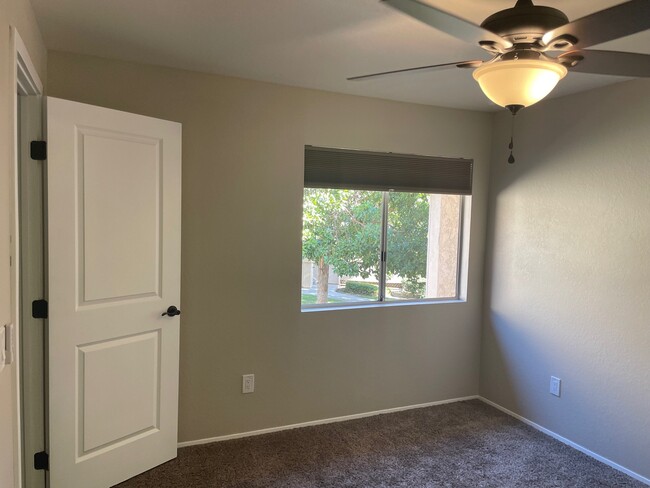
307	43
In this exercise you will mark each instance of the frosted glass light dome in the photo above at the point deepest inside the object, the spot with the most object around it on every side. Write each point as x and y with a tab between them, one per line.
518	81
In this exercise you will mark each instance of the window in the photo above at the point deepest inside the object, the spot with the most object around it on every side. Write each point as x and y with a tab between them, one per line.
366	242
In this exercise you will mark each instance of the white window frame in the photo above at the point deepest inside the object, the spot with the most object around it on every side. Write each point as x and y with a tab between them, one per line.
461	273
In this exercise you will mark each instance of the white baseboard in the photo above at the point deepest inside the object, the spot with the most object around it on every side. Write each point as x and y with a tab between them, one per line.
568	442
319	422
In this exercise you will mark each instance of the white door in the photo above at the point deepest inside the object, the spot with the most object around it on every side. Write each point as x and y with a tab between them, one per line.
114	226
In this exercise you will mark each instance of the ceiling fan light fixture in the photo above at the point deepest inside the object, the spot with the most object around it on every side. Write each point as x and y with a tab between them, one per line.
519	81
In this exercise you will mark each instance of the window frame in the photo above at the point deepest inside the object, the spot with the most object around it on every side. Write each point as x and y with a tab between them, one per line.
383	257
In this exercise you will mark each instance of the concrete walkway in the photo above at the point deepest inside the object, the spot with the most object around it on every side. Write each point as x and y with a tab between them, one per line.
332	293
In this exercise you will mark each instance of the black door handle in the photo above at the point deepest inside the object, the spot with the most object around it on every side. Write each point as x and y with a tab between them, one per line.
172	312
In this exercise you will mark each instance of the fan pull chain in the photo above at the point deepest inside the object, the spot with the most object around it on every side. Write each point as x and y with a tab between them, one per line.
513	110
511	158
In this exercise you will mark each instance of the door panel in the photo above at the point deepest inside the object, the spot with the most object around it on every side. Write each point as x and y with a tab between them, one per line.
114	268
130	366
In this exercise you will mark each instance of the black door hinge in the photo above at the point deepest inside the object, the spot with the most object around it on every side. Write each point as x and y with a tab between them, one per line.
38	150
39	309
41	460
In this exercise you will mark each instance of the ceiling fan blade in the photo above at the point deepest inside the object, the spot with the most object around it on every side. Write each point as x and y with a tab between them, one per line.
459	64
609	63
606	25
448	23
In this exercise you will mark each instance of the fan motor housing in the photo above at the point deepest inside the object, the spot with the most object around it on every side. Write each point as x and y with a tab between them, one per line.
525	23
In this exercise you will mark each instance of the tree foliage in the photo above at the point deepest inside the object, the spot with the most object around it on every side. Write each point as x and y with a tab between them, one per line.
408	225
343	229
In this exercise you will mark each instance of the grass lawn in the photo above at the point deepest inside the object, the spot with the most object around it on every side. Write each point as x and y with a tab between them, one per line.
310	299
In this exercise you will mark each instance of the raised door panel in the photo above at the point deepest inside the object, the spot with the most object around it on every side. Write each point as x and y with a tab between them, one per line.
118	391
119	215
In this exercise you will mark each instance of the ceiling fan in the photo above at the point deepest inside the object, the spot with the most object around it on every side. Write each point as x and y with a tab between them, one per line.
533	46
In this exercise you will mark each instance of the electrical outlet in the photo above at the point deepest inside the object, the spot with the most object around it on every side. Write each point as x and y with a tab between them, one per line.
248	383
555	386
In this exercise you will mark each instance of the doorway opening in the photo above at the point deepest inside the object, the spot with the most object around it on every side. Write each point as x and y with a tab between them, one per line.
28	278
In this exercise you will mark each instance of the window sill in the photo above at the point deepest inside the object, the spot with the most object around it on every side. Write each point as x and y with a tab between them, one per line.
355	306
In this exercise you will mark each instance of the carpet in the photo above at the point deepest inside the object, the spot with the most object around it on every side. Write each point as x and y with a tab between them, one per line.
464	444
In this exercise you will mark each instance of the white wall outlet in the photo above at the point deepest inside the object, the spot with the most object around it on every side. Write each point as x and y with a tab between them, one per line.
248	383
556	384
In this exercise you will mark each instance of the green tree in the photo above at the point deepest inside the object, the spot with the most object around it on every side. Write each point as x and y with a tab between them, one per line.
342	231
408	232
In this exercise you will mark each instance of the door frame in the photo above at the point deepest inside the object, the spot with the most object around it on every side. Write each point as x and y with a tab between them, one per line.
26	82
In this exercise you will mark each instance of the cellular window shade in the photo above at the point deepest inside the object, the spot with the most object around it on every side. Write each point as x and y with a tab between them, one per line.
365	170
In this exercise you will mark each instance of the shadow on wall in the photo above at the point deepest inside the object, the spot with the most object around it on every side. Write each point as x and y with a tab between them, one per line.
531	149
567	269
495	354
549	134
506	344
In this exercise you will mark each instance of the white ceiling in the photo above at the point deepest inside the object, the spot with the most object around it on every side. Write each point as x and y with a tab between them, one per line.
308	43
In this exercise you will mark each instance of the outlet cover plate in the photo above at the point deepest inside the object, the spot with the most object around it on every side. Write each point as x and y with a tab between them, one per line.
248	383
556	384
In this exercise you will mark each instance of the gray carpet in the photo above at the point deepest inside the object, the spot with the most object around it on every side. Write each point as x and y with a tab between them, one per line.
465	444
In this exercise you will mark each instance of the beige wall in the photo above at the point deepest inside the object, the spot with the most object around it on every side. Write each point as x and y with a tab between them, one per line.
242	206
568	272
17	13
